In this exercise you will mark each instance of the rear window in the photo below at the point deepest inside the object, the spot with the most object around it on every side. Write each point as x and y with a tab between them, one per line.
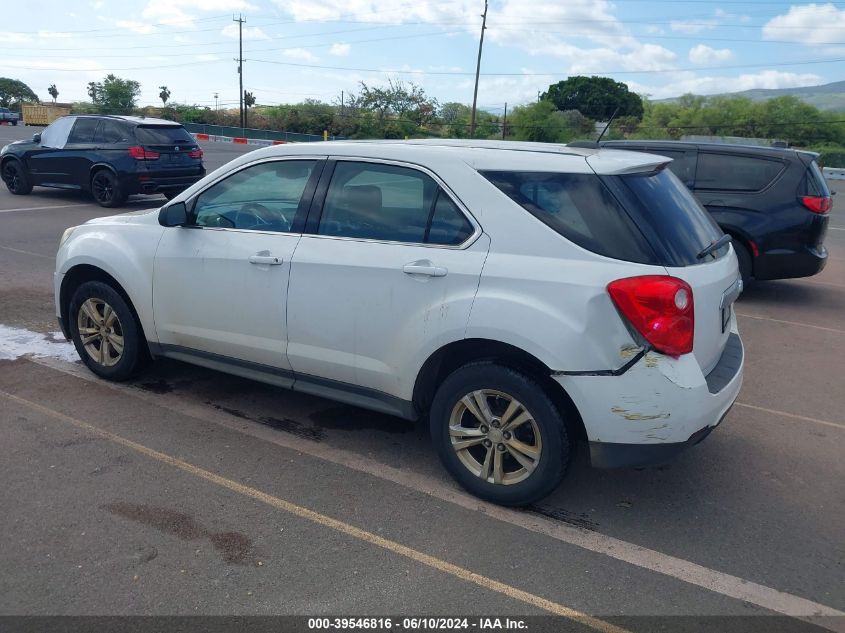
163	135
649	218
730	172
674	221
580	208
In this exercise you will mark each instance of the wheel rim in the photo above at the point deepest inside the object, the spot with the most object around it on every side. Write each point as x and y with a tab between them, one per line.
11	176
495	437
103	188
100	332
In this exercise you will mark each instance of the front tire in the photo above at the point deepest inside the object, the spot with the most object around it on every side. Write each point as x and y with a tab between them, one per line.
105	332
16	178
498	434
106	189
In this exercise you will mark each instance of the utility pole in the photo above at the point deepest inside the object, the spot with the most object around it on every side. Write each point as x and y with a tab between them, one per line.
215	103
478	70
240	20
505	121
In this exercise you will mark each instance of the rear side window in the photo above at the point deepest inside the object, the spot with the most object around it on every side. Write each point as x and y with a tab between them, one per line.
580	208
111	131
83	131
814	183
448	225
163	135
730	172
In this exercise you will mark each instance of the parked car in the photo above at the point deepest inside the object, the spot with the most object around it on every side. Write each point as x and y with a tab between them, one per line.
774	202
111	157
521	296
7	116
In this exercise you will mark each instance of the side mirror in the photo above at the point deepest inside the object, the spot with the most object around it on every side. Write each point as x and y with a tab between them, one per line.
175	214
36	138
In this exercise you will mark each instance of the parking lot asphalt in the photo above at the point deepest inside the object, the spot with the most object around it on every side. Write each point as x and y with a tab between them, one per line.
188	491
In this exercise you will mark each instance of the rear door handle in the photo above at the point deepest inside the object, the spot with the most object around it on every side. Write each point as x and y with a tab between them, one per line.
424	267
265	259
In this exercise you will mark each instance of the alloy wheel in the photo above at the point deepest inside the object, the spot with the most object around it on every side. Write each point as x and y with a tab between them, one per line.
495	437
11	176
100	332
103	187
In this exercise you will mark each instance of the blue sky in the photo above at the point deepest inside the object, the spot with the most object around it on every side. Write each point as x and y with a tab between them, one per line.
297	49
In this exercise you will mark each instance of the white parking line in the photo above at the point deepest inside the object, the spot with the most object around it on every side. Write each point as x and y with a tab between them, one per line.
815	327
55	206
17	250
835	425
710	579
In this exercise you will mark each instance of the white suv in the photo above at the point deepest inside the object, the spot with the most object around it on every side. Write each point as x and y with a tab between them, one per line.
522	296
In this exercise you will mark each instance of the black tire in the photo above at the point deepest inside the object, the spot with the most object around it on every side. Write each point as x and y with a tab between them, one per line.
745	264
133	354
16	178
15	123
554	446
106	189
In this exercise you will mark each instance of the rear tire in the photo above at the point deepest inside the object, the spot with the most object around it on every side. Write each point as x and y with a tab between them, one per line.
745	263
104	331
16	178
516	452
106	189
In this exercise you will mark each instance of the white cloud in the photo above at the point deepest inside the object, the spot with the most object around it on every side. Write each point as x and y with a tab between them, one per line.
384	11
705	56
339	49
142	28
692	26
300	54
206	57
249	32
177	11
810	24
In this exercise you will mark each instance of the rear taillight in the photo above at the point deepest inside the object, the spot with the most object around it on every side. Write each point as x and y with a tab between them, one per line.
195	153
660	308
139	153
817	204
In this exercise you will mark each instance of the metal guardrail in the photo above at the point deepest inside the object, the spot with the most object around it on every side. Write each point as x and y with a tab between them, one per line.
834	173
251	133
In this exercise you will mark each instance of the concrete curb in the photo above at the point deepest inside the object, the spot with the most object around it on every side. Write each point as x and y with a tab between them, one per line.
834	173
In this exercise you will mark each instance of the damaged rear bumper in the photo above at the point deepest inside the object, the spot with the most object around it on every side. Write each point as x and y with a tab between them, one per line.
657	408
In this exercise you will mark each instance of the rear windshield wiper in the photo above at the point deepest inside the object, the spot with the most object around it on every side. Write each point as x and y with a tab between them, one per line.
714	246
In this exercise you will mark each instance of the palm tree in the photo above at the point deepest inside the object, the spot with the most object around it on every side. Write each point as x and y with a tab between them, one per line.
164	95
54	92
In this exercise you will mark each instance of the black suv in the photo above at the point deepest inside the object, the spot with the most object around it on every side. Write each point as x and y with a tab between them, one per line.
110	156
773	202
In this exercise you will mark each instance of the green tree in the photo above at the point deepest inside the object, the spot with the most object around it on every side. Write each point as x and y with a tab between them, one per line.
13	91
114	95
54	92
249	101
594	97
164	95
544	123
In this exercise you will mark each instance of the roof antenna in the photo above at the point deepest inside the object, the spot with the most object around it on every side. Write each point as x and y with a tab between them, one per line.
607	127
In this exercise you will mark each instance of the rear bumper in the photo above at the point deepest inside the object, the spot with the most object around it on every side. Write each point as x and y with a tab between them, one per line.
790	264
656	409
152	182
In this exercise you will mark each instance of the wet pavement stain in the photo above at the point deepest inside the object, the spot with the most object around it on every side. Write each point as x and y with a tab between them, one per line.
157	386
565	516
294	428
233	547
353	419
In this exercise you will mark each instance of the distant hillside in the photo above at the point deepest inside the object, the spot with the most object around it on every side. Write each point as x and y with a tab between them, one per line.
827	97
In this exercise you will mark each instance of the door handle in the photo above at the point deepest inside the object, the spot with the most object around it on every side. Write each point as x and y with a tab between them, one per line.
265	259
424	267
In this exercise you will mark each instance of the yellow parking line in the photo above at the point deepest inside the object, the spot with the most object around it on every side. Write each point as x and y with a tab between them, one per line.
835	425
334	524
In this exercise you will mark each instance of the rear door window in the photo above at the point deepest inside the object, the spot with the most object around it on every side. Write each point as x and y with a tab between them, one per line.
111	131
580	208
731	172
390	203
83	130
163	135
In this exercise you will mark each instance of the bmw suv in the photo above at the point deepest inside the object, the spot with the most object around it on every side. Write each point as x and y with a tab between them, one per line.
518	296
112	157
